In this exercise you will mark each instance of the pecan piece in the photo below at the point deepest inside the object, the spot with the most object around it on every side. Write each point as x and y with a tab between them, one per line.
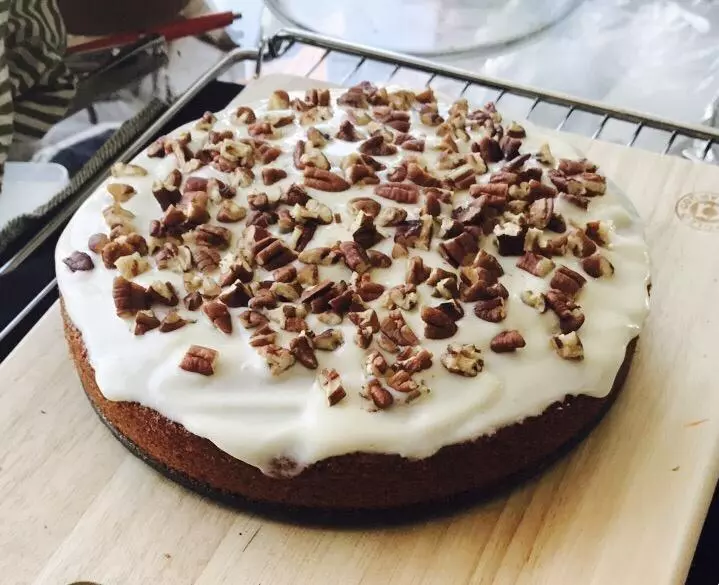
172	322
97	242
391	216
379	259
200	360
416	272
213	236
120	169
485	260
366	205
218	315
403	296
121	192
329	339
361	175
492	310
375	364
348	132
463	359
598	231
323	256
145	321
303	349
419	176
377	146
238	295
535	264
132	265
163	293
323	180
489	149
79	261
396	329
193	301
399	192
278	359
570	314
415	233
507	341
274	255
331	383
544	155
568	346
251	319
129	297
380	396
567	280
541	212
534	300
438	325
459	250
510	238
597	266
364	231
355	257
580	244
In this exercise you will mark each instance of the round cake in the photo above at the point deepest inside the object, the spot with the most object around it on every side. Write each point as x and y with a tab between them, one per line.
353	299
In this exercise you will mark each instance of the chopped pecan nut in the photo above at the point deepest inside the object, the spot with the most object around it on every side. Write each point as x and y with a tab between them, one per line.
355	257
575	167
378	259
263	299
535	264
459	250
507	341
323	180
361	175
218	315
377	146
510	239
244	115
238	295
79	261
594	184
545	156
482	291
364	232
369	291
230	212
580	244
366	205
396	329
172	322
193	301
145	321
130	266
380	396
567	280
348	132
129	297
331	383
312	212
399	251
485	260
206	259
415	233
270	175
329	339
251	319
460	178
399	192
308	275
413	360
275	255
116	215
213	236
570	314
163	293
323	256
420	176
568	346
463	359
416	272
317	138
121	192
120	169
534	300
541	212
402	381
492	310
597	266
403	296
391	216
489	149
200	360
97	242
375	364
278	359
302	235
302	348
599	232
263	335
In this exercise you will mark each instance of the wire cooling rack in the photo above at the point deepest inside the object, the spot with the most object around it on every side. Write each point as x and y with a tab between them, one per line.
342	62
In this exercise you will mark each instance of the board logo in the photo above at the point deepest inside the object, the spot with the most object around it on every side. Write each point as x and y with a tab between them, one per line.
699	210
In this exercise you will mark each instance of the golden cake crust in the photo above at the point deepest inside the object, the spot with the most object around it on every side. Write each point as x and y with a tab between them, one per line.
357	480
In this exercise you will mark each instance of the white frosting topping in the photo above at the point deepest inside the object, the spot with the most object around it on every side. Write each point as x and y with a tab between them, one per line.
257	417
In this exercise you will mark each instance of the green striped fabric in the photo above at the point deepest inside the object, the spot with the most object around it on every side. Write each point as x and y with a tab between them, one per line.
35	85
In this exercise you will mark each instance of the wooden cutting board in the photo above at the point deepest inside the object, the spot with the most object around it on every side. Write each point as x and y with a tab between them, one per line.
625	507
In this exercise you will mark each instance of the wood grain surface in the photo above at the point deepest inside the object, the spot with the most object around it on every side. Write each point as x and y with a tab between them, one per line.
625	507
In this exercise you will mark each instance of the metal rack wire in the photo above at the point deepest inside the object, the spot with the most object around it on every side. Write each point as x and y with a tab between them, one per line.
380	66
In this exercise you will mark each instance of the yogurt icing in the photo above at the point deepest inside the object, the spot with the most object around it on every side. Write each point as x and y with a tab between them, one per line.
257	417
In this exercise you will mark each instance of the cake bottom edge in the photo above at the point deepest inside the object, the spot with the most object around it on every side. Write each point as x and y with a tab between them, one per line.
456	475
